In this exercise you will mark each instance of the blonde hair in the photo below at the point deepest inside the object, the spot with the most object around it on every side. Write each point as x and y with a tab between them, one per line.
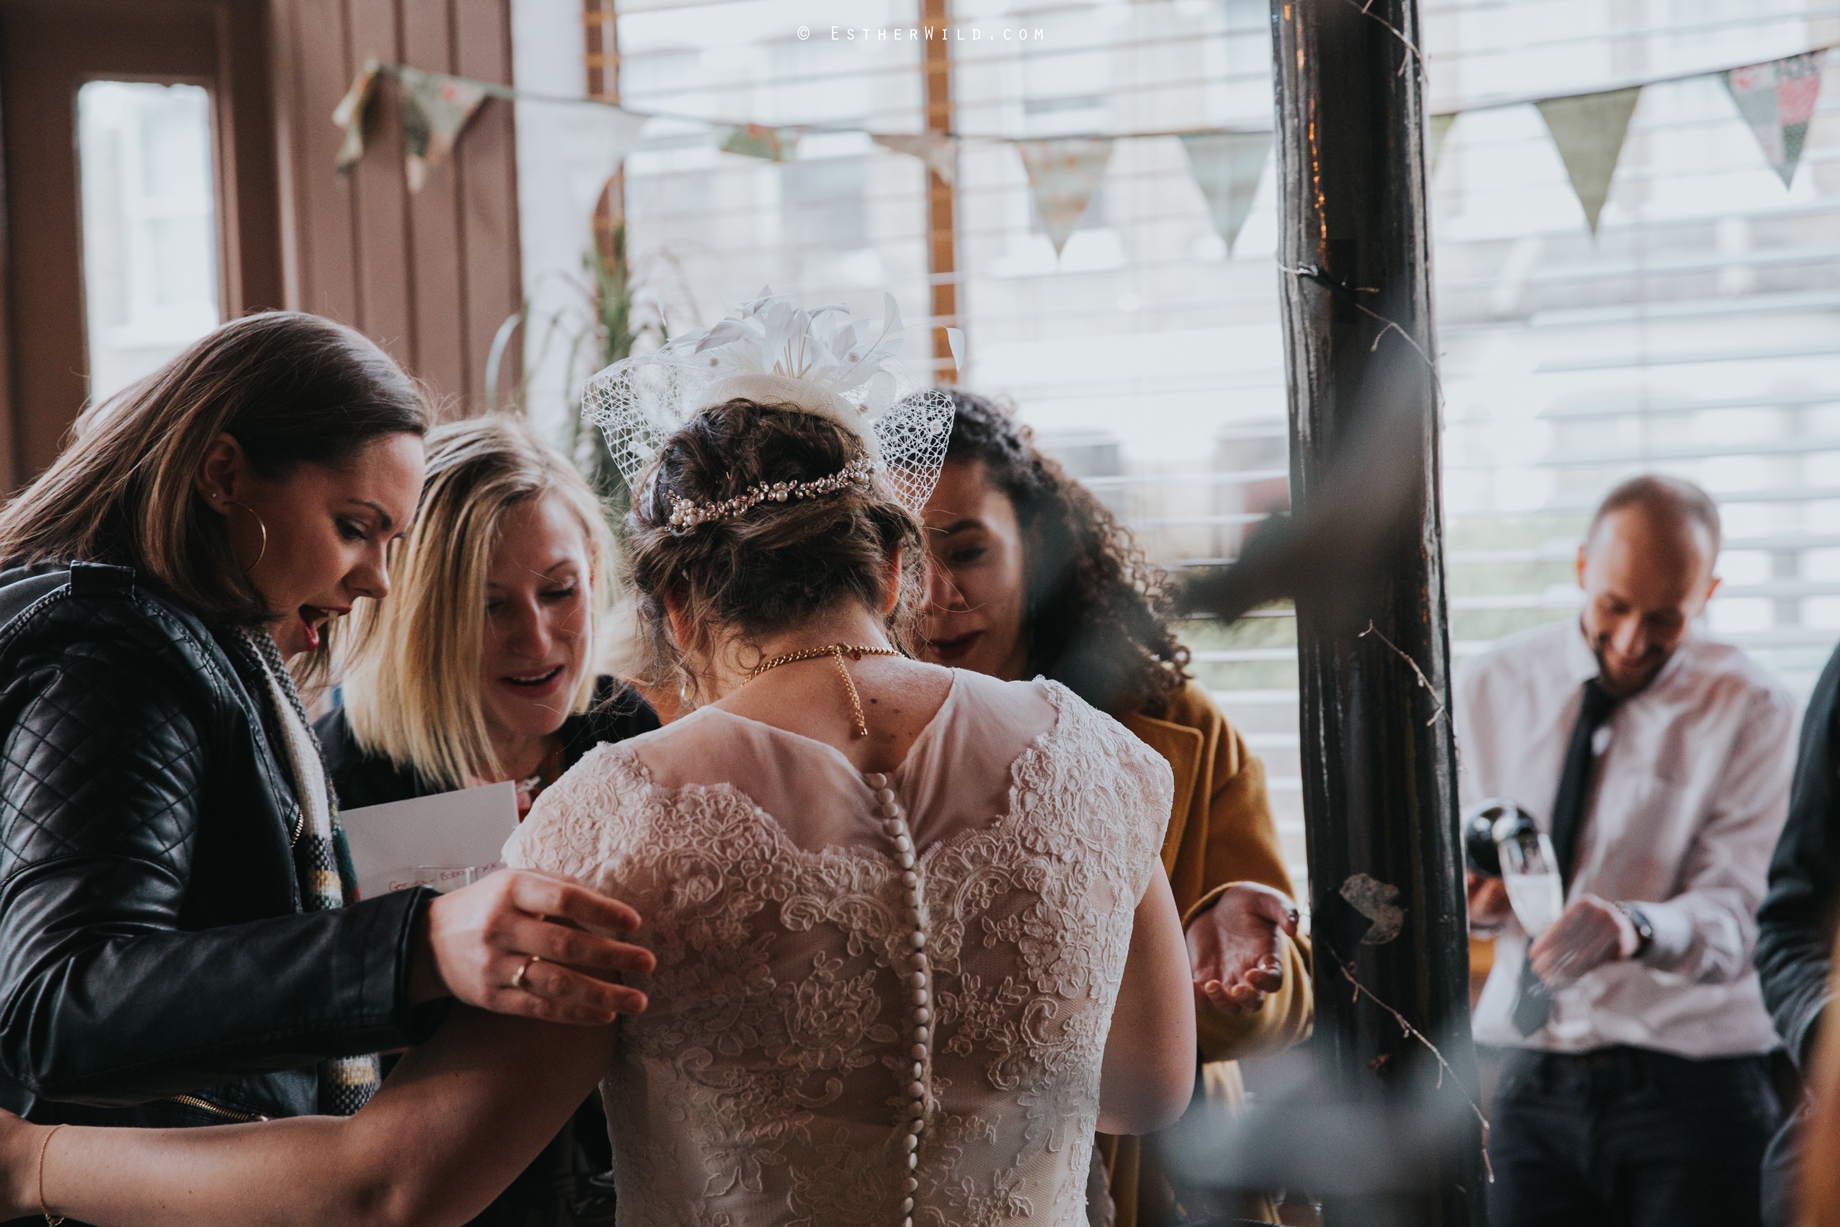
412	691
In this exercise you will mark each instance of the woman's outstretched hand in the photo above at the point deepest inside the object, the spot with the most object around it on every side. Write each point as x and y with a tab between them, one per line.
1236	947
535	944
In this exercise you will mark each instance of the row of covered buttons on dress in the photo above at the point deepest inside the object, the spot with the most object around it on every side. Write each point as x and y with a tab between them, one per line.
894	829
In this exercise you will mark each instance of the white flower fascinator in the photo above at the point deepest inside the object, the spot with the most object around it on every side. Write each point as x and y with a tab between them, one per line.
818	361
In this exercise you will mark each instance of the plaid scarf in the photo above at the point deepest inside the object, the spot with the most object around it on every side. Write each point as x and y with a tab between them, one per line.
321	859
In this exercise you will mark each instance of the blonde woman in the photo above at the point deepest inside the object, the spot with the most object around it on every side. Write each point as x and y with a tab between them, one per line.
479	668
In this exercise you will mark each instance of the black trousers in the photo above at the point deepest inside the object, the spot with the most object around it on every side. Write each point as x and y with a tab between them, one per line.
1627	1137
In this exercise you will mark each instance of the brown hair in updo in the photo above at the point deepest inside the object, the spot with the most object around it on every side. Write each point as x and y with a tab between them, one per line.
777	564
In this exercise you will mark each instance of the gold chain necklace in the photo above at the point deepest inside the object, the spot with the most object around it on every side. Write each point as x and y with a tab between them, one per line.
835	651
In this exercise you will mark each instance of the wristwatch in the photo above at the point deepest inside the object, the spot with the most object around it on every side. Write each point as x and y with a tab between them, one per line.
1645	931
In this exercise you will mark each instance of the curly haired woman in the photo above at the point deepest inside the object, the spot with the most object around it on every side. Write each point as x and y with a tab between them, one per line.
1032	576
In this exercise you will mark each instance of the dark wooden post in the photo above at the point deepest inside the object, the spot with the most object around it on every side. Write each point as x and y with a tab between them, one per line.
1379	784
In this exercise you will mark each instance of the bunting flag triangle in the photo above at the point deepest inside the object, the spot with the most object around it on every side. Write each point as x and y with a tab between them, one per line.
594	142
936	149
755	141
1227	166
1589	131
349	115
1062	176
1777	100
435	107
1440	128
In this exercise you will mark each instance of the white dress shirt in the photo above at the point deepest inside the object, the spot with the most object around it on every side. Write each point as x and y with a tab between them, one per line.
1689	793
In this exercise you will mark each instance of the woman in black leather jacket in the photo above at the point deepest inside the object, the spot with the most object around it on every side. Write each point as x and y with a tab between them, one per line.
175	947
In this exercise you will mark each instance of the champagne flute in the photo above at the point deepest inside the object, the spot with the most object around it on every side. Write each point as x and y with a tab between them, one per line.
1530	871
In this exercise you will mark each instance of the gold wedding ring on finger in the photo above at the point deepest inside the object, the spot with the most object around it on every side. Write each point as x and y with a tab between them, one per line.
517	977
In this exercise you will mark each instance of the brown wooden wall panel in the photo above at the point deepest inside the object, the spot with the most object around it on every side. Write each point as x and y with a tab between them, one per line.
317	212
488	197
249	190
380	198
46	51
436	248
428	275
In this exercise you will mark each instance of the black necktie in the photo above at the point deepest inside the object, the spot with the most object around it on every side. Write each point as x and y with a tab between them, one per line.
1575	779
1567	820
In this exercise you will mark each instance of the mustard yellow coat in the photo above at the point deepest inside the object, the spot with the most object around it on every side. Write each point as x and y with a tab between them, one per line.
1220	832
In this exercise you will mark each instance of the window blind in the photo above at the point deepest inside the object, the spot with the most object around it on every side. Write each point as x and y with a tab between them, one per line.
1693	333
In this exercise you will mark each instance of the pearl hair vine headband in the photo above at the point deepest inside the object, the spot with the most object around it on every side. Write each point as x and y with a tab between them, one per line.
819	361
686	513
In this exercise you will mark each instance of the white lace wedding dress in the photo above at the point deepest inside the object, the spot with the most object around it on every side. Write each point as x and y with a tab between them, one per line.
806	1023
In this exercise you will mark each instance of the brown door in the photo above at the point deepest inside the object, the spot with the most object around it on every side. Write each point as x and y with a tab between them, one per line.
226	248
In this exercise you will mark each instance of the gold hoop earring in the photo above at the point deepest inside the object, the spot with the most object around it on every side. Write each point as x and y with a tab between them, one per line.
263	552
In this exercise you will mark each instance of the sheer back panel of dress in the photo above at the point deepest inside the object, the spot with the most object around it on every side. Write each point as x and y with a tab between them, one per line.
767	1081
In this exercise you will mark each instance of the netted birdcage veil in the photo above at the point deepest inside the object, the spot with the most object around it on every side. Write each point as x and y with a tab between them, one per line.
817	360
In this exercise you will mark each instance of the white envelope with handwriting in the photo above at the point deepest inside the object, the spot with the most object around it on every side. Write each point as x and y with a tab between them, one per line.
395	845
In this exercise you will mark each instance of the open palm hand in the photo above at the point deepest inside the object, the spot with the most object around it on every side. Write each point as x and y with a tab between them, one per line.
1236	947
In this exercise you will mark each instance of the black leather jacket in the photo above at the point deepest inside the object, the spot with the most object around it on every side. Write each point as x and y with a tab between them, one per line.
152	940
1795	925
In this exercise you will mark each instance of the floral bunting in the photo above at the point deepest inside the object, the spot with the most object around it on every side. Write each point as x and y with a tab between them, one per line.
435	107
1440	129
1062	176
349	115
755	141
1589	131
936	149
580	149
1227	166
1777	101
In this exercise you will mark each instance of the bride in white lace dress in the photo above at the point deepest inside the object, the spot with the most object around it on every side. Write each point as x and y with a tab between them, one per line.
895	909
818	1011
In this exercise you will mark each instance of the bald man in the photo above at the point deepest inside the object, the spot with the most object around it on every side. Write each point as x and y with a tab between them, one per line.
1636	1089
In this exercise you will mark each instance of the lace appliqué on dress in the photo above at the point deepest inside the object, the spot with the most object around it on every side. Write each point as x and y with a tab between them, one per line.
765	1083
